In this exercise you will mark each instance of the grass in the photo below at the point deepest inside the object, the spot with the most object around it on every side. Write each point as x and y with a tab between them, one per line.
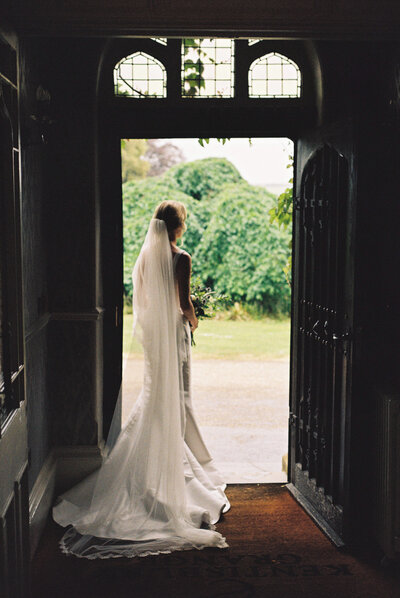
265	339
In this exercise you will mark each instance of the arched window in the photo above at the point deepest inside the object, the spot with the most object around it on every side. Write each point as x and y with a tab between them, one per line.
140	76
274	76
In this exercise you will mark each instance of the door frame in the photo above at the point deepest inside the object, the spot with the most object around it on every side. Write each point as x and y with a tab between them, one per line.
120	117
14	454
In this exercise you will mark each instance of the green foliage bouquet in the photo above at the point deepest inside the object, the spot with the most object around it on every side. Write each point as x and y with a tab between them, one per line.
205	301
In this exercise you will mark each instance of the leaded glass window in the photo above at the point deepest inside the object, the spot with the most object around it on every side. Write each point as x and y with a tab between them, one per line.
274	76
140	76
207	71
207	68
160	40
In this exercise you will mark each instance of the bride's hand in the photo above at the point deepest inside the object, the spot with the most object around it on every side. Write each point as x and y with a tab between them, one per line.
193	324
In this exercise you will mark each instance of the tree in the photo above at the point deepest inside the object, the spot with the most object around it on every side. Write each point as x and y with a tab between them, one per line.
140	200
235	248
161	156
282	215
282	212
143	158
134	164
204	178
241	254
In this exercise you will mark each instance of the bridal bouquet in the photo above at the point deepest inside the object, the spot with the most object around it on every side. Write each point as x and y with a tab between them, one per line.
205	301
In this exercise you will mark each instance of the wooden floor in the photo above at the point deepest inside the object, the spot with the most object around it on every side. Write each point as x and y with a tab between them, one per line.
275	551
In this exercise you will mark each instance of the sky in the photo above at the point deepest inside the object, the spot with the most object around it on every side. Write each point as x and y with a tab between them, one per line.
264	162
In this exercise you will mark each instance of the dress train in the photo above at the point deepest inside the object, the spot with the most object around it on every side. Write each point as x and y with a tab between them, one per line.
158	490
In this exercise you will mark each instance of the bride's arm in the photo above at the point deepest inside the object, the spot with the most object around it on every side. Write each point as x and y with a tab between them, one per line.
183	270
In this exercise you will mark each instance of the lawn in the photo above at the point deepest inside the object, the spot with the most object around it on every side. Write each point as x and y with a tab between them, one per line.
225	339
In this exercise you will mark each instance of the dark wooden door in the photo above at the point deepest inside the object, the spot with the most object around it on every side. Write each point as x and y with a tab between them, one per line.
322	328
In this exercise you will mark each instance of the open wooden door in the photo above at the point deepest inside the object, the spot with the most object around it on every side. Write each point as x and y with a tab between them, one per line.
14	499
322	328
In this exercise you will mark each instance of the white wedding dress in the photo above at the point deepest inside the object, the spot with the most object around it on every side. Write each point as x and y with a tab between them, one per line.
158	489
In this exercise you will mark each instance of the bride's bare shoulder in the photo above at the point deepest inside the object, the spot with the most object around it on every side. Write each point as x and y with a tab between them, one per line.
184	263
181	253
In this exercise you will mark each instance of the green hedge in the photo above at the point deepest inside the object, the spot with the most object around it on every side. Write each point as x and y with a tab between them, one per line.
234	247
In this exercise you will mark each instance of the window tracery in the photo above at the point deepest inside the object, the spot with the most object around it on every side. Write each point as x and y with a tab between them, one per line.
140	76
274	76
160	40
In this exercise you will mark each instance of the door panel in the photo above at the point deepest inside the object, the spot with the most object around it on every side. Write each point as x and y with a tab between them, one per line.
14	498
322	325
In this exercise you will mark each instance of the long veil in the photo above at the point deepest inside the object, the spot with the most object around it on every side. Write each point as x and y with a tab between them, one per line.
136	504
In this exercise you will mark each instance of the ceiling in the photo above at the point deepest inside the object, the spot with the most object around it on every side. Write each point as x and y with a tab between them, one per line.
318	19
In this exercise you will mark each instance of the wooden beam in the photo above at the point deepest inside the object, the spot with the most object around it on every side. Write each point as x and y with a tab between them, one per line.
318	19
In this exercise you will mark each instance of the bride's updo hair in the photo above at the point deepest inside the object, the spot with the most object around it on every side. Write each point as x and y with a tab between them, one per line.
174	215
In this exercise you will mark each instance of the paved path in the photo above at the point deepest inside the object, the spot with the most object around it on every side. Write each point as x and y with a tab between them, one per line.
242	409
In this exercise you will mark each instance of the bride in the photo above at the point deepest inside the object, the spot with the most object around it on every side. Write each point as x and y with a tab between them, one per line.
158	489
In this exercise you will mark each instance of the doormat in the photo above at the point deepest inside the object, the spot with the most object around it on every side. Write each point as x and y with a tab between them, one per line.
275	551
